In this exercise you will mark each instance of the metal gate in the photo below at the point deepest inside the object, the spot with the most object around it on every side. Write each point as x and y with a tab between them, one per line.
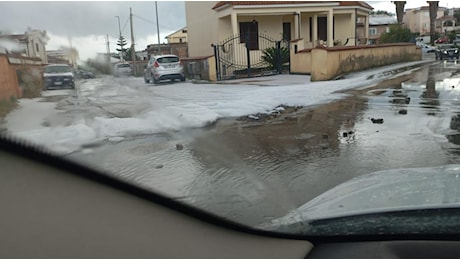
249	55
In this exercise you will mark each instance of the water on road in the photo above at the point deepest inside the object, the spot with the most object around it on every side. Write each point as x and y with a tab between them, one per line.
253	170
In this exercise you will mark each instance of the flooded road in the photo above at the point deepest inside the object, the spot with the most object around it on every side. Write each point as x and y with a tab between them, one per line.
253	170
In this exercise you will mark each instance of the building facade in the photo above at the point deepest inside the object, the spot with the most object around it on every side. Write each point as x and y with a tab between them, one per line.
31	44
315	23
418	19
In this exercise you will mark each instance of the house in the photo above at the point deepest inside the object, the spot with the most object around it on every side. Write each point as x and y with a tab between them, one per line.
445	24
65	54
315	22
31	44
231	39
418	19
179	36
378	24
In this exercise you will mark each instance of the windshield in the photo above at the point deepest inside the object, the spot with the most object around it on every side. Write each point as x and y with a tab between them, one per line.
57	69
273	121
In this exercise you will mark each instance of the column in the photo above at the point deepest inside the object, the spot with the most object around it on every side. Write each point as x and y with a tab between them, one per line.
296	26
366	29
234	21
315	30
330	28
353	33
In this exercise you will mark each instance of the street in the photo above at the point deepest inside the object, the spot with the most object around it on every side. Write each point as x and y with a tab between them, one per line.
246	165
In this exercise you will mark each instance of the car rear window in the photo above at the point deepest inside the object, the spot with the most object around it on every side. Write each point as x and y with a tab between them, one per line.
57	69
168	59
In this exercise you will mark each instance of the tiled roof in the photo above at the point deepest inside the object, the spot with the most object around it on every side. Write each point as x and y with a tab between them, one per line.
341	3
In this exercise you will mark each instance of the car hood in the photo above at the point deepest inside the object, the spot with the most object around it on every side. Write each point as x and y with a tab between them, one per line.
58	74
380	192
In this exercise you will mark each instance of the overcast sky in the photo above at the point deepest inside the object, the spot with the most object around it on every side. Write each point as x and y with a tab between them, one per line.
87	23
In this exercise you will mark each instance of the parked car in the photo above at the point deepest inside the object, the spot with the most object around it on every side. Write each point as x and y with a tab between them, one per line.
425	47
123	70
457	39
84	74
446	52
441	40
58	75
164	67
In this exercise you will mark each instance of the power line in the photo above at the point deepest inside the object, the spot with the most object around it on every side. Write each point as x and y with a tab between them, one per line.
148	21
124	26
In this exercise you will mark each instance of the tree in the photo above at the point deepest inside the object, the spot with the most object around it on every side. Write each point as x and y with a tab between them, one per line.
122	42
382	12
399	10
457	15
127	55
397	33
433	9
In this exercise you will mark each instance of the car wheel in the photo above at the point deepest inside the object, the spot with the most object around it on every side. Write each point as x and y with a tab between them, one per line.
146	80
153	79
182	79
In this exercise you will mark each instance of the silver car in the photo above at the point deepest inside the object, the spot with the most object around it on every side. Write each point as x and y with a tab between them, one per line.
164	67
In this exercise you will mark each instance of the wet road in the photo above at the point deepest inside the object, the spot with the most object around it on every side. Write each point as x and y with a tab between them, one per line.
252	171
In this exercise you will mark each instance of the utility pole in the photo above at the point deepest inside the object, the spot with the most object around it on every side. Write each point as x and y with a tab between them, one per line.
108	49
158	29
133	52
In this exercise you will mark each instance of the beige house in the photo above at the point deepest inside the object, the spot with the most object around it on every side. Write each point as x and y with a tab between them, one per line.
179	36
70	55
313	22
31	44
418	19
378	24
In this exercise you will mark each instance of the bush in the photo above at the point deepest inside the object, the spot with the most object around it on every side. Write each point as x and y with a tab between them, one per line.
270	56
30	80
396	34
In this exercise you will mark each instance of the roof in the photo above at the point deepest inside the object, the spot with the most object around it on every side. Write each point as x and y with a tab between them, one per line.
382	19
341	3
19	37
181	29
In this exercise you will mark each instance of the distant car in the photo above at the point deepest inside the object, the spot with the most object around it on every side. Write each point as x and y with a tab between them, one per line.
84	74
58	75
457	39
427	48
122	70
164	67
447	52
441	40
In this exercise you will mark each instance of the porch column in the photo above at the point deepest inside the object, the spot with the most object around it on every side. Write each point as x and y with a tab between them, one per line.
234	21
330	28
315	30
353	35
366	29
296	25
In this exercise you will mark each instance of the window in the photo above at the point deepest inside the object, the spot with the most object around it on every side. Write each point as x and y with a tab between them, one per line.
249	31
36	45
372	31
287	31
387	29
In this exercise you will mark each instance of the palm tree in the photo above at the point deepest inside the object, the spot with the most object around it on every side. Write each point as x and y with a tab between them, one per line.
433	9
399	10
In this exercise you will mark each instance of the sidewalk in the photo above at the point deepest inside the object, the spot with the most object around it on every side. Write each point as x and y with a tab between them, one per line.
296	79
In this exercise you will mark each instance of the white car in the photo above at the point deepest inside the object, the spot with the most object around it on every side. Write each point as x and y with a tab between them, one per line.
426	48
164	67
123	70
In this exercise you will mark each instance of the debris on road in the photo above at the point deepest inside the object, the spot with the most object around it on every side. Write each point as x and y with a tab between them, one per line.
377	120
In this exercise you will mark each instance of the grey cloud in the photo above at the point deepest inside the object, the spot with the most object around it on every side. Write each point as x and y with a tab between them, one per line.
90	18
